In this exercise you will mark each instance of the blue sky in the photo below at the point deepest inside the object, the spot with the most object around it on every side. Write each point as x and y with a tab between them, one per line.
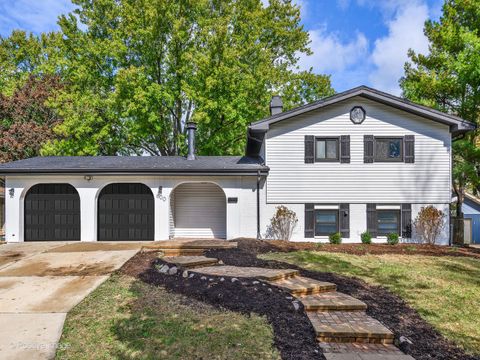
358	42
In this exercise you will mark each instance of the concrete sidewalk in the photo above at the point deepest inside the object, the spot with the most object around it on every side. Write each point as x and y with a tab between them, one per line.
40	282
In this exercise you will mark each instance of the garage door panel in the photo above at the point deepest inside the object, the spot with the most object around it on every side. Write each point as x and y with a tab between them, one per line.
52	212
126	212
199	211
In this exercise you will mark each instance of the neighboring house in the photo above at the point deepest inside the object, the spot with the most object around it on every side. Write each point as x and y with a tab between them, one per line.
359	160
2	212
471	214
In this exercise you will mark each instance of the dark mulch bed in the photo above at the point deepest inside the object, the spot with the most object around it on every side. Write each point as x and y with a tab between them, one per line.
293	332
294	335
384	306
358	249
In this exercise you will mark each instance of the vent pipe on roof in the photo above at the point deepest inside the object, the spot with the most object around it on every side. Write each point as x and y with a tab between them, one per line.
276	105
191	128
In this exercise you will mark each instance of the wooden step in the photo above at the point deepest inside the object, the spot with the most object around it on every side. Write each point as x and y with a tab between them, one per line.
247	272
304	286
190	262
349	327
332	301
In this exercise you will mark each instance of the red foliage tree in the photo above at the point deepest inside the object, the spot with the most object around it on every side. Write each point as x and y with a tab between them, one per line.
26	120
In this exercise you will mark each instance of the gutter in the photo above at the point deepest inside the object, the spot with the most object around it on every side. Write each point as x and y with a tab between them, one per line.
132	173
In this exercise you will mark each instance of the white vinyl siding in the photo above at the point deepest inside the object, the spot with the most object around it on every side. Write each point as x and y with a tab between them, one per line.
199	211
291	181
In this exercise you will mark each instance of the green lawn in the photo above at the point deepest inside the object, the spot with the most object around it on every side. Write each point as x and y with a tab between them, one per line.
444	290
128	319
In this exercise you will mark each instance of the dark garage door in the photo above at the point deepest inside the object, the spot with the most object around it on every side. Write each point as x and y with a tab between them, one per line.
52	212
125	212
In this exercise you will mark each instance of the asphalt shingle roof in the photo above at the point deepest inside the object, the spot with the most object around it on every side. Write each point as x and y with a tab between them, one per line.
134	164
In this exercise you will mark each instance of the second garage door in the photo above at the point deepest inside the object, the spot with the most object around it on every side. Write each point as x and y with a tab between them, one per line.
199	210
125	212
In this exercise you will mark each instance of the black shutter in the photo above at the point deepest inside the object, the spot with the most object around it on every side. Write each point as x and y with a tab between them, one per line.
409	142
345	220
309	220
345	149
309	149
368	153
407	221
372	219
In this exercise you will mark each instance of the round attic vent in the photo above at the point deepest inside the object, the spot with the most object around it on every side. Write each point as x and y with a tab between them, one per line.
357	115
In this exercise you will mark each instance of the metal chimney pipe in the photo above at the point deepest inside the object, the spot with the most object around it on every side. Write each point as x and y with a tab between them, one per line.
191	128
276	105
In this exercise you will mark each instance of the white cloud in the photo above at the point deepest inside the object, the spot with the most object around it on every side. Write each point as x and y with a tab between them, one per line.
343	4
405	31
31	15
331	54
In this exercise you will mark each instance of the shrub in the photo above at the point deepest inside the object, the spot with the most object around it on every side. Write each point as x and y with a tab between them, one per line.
366	237
335	238
392	239
429	224
283	223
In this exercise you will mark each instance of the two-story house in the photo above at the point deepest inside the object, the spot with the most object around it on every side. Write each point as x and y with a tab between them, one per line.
359	160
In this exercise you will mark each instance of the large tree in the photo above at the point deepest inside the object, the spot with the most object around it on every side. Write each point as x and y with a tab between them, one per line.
26	119
135	71
448	78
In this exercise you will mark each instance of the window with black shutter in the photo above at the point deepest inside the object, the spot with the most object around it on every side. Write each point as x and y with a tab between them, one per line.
326	222
345	220
372	219
388	221
345	149
388	149
409	144
326	149
309	220
309	149
407	221
368	152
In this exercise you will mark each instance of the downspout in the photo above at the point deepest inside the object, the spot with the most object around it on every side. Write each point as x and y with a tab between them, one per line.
258	205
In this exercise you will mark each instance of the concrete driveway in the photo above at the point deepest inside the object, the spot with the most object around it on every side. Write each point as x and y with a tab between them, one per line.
40	282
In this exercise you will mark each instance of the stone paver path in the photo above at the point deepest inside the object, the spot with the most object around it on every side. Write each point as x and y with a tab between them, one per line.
190	262
330	301
348	326
248	272
344	330
303	286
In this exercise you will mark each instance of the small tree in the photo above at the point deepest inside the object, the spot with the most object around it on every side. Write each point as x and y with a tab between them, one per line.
429	223
283	223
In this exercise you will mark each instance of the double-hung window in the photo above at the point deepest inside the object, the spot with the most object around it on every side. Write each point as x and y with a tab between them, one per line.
388	149
326	222
388	221
326	149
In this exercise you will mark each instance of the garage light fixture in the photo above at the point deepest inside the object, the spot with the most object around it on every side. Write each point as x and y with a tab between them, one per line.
11	192
88	177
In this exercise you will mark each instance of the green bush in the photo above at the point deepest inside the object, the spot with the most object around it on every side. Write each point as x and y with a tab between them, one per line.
366	237
392	239
335	238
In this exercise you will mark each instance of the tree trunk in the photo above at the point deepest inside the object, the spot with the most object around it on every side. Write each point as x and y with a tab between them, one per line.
458	229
